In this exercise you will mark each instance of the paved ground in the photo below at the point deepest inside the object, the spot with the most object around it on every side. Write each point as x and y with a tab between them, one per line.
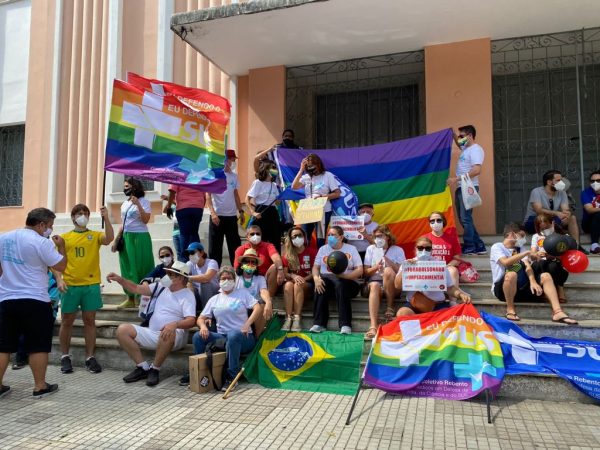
100	411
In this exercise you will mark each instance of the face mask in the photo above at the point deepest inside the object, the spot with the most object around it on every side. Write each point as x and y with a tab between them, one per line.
367	217
462	142
288	142
311	169
227	285
127	191
379	242
273	173
166	260
437	226
332	241
559	185
166	281
521	242
596	186
82	220
248	268
548	231
194	258
423	254
255	239
47	232
298	242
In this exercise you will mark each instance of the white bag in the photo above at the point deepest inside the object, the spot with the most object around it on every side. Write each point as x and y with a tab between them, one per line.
470	196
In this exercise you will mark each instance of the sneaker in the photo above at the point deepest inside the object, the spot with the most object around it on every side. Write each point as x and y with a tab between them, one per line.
136	375
346	330
153	377
296	324
19	364
184	380
481	250
50	389
595	251
316	329
227	384
287	324
129	303
92	365
4	390
469	251
66	366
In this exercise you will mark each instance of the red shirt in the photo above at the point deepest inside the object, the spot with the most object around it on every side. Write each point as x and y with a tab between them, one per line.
264	250
186	197
445	247
306	259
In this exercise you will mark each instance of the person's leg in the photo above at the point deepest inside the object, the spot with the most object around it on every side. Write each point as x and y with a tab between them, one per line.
271	277
21	354
573	228
388	287
232	235
65	331
595	228
529	225
344	292
237	343
405	311
288	298
187	219
321	307
89	332
454	276
479	244
215	241
177	246
509	288
163	349
374	299
4	360
126	264
38	326
38	362
200	343
300	291
126	334
465	217
309	229
550	291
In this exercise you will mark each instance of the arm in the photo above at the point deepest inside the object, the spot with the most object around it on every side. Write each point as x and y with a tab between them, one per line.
109	232
354	275
507	261
170	201
276	258
60	283
210	273
319	283
213	214
455	292
60	246
296	183
168	330
590	209
261	156
252	207
256	310
475	170
145	216
268	309
141	289
238	205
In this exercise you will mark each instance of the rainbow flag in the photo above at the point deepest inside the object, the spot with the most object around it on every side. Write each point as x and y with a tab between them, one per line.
405	180
450	354
169	133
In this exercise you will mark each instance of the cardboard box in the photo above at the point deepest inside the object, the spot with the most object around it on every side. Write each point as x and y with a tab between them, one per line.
200	379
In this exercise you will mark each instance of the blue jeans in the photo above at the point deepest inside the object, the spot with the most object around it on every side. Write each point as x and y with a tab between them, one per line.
471	239
189	222
178	249
237	343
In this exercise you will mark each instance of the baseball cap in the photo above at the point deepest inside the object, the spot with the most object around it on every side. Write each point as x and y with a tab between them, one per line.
194	247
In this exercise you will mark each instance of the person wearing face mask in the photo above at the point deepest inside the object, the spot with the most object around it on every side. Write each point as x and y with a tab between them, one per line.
80	284
25	310
317	182
418	302
298	258
203	274
261	199
230	309
551	199
174	313
513	278
382	262
469	163
445	246
135	258
249	278
343	287
225	211
166	257
367	211
590	199
287	141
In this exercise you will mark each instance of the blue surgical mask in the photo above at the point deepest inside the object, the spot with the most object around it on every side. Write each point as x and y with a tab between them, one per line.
332	241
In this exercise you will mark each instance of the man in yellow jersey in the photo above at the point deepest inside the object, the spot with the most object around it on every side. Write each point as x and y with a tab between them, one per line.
80	284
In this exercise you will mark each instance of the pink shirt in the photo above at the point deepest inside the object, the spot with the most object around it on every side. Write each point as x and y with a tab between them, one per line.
187	198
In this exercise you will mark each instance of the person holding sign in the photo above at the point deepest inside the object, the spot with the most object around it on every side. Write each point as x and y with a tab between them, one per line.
423	301
328	283
445	246
382	262
317	182
261	199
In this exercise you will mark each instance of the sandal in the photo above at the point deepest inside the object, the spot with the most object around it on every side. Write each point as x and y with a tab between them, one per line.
389	314
514	316
371	333
566	320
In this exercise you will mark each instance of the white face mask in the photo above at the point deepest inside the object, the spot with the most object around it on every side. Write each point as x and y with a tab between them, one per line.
255	239
379	242
521	242
167	260
298	242
166	281
548	231
47	232
194	258
367	217
596	186
227	285
423	254
560	185
82	220
437	226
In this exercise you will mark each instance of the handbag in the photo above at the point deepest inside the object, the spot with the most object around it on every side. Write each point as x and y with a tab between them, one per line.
120	240
470	196
467	272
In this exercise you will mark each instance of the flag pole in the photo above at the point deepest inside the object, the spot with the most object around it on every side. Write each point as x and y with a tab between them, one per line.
488	401
103	195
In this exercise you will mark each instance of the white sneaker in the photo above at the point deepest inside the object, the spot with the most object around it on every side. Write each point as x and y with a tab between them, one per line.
296	324
317	329
287	324
346	330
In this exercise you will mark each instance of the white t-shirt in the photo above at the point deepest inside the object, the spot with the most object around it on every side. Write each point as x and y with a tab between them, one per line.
498	251
374	255
263	192
319	185
354	260
208	264
224	204
361	245
258	283
171	307
25	259
436	296
469	157
133	222
230	311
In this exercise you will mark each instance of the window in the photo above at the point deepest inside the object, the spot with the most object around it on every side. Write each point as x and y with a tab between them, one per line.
12	144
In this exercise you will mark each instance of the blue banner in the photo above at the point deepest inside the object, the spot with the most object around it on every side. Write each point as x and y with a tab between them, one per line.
576	361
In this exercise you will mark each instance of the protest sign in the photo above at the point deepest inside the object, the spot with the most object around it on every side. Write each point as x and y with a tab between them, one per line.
350	225
310	210
424	276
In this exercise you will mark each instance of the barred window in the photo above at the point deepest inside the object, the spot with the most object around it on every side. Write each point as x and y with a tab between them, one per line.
12	144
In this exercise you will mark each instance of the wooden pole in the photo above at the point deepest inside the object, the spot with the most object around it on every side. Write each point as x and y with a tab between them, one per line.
233	383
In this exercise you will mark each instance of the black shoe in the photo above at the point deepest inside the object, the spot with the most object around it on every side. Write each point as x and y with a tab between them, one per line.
92	365
50	389
136	375
19	364
184	380
153	376
66	366
227	384
4	390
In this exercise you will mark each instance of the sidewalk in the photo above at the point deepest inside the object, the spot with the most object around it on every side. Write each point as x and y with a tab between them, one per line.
100	411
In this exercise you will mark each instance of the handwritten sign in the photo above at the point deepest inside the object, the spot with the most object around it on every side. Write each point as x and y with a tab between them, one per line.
350	225
310	210
424	276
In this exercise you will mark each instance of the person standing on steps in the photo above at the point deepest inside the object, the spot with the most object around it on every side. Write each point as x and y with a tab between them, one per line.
287	141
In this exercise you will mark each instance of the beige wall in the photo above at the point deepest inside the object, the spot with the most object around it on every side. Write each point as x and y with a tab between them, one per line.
458	83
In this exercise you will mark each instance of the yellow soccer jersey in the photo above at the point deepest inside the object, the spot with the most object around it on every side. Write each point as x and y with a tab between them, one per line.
83	257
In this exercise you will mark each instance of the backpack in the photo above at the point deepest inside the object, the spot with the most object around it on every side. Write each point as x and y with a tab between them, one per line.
214	347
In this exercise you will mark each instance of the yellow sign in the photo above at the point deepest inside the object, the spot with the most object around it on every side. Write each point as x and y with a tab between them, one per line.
310	210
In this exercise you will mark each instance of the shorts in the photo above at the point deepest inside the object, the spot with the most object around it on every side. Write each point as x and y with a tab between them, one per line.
88	298
33	319
438	306
148	338
523	293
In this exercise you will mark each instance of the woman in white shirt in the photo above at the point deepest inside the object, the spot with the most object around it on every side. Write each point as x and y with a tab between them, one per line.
203	274
261	199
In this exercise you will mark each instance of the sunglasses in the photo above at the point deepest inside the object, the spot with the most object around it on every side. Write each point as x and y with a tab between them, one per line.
436	221
253	234
294	236
595	180
422	247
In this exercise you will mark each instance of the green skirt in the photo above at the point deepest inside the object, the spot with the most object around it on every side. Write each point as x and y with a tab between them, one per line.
136	258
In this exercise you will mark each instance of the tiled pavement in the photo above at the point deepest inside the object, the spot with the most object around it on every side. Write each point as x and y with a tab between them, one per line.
100	411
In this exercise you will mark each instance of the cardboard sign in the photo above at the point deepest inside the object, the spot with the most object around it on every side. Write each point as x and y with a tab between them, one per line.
350	225
424	276
310	210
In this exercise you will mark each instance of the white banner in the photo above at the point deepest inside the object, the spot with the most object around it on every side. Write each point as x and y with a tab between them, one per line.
424	276
350	225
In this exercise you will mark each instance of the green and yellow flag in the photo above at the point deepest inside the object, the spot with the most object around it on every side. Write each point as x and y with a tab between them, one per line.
325	362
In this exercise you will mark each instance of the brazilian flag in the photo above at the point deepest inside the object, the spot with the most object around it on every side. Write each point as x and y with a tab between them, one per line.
315	362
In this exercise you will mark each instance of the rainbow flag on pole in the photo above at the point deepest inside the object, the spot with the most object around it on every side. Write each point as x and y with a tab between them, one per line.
450	354
168	133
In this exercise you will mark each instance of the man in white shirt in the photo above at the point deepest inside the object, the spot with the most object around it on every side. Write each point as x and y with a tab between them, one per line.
469	163
26	255
174	313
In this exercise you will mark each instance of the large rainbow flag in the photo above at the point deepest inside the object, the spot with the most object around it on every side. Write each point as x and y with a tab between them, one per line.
405	180
169	133
450	354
